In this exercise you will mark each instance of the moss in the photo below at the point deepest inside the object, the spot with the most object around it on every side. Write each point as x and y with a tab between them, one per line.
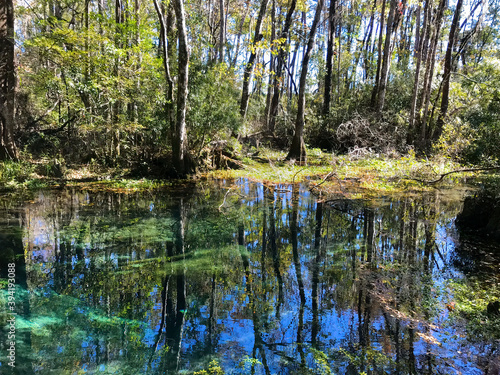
339	173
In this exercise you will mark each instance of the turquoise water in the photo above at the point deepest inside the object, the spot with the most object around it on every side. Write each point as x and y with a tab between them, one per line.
263	280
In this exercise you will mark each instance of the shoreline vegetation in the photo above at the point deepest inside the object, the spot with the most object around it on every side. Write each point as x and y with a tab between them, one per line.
326	173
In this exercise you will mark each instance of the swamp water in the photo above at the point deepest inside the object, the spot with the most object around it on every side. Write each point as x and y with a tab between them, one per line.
261	280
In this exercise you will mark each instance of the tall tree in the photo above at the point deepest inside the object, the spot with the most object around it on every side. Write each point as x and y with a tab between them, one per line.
379	51
222	31
298	147
429	73
251	61
179	144
169	95
447	71
386	61
271	66
280	63
329	58
8	148
420	42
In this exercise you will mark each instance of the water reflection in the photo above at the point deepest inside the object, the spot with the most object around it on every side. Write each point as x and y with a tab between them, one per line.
265	279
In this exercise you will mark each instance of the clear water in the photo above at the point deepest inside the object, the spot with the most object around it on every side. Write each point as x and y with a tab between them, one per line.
265	280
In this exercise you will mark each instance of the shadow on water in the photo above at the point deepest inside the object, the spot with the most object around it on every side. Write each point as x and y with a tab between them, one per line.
264	279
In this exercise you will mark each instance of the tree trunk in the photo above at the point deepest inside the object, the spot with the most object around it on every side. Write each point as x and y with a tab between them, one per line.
222	31
379	51
280	62
251	61
431	60
386	62
367	42
118	44
169	95
447	71
329	59
271	66
298	148
8	148
179	145
419	48
240	31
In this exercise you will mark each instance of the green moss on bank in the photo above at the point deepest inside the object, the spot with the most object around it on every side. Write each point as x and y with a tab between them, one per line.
372	173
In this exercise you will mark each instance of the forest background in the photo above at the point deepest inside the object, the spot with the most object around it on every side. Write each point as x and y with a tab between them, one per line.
169	87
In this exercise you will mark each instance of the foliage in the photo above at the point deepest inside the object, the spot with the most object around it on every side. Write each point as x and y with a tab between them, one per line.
480	97
470	301
213	369
213	100
15	174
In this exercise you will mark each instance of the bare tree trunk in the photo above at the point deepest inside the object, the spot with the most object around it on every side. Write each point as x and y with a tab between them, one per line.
298	148
179	145
417	30
240	31
222	31
280	62
329	59
8	148
379	51
367	42
386	62
271	66
169	95
251	61
431	60
118	44
419	52
447	71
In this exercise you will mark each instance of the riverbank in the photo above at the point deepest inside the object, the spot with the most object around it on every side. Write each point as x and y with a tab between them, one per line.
356	173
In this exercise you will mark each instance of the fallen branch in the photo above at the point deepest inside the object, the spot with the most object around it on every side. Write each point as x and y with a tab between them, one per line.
455	171
60	128
322	182
225	196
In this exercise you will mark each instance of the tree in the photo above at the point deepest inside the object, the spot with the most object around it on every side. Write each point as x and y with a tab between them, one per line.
8	148
329	58
386	61
251	61
447	71
169	113
280	62
298	148
179	139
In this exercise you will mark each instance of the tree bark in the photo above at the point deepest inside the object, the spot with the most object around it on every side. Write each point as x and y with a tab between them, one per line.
419	49
169	94
431	60
329	59
280	62
298	148
386	62
251	61
8	148
271	66
379	51
447	71
240	31
179	145
222	31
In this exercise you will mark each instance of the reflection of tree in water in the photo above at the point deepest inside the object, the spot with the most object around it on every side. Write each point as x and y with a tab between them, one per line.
272	273
12	252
